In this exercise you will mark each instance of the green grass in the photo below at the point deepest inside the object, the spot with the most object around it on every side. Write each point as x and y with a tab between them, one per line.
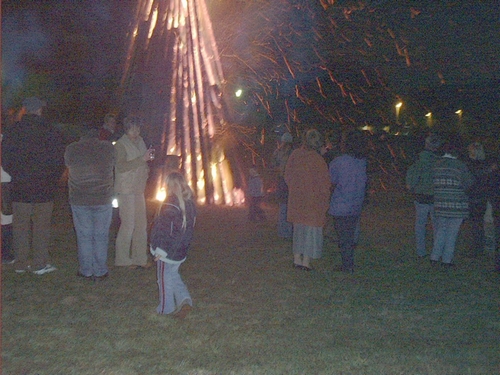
254	314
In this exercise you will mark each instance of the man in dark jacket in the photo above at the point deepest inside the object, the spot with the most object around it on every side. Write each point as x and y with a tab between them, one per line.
32	152
91	163
419	180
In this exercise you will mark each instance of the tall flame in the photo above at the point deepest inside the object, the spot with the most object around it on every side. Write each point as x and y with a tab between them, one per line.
172	77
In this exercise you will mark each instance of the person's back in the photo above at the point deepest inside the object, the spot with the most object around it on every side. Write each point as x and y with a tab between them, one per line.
33	155
451	181
419	177
90	162
348	175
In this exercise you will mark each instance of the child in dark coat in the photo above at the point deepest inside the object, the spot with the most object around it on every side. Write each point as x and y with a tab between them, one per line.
171	237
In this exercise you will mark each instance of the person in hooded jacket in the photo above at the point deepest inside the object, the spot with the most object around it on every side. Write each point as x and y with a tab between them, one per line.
170	239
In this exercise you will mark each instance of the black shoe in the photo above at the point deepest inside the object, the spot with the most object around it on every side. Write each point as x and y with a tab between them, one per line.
79	274
102	277
347	269
447	265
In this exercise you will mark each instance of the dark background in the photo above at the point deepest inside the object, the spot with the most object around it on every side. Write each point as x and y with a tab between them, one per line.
71	53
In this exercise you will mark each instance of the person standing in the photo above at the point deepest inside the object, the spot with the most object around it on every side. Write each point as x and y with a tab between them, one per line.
419	181
478	198
451	205
33	154
171	236
348	177
131	174
494	196
255	195
306	175
90	162
280	158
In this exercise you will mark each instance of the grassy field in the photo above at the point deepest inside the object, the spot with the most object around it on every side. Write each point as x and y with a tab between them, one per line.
255	314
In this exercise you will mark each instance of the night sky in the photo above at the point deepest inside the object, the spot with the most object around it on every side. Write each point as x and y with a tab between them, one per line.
71	52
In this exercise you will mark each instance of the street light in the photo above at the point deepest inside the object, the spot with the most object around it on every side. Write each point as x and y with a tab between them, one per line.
429	118
398	107
459	113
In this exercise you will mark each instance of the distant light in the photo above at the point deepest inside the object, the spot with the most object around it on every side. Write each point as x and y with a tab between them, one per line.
387	129
459	112
429	114
114	203
399	105
238	93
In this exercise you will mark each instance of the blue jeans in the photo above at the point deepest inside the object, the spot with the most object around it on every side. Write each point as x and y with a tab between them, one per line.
446	236
422	213
92	234
171	289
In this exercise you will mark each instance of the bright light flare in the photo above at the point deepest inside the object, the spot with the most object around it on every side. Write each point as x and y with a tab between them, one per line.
161	195
238	93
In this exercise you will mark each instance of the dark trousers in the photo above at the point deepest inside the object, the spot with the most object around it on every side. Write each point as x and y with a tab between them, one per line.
345	226
475	233
255	212
496	221
31	229
7	252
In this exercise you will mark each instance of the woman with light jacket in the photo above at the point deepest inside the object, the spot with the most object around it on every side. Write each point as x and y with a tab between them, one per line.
131	174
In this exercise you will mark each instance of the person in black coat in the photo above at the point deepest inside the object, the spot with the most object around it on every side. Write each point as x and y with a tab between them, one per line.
33	155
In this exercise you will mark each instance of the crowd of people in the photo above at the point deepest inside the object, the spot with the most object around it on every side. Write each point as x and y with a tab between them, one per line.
100	166
450	184
312	182
450	189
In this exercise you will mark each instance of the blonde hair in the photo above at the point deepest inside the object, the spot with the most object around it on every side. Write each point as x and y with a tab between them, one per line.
177	185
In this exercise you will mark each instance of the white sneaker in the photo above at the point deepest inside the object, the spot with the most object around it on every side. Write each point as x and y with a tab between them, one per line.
23	270
48	268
